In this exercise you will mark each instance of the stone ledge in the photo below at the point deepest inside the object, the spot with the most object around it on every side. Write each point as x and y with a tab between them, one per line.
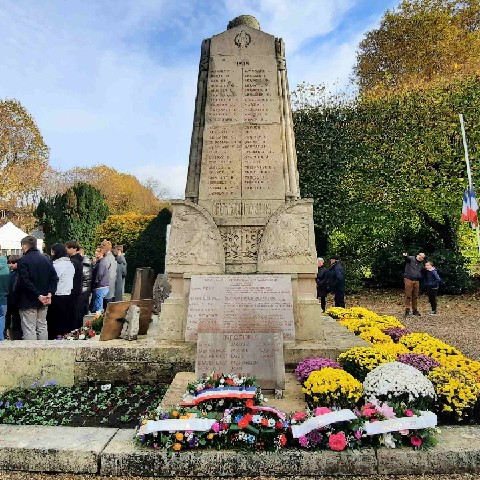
121	457
108	451
52	449
458	451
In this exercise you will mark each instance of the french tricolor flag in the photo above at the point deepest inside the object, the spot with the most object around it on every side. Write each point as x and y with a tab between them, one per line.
470	207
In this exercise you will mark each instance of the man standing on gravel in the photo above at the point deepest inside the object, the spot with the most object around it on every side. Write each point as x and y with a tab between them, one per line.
411	278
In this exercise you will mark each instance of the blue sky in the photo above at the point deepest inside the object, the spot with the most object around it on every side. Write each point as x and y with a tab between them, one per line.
114	81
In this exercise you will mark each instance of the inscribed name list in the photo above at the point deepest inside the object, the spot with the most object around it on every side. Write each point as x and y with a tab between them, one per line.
239	303
246	354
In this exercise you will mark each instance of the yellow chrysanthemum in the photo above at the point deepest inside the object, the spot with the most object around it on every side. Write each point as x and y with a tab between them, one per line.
332	387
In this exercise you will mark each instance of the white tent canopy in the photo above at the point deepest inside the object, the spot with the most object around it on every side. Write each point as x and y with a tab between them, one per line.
10	237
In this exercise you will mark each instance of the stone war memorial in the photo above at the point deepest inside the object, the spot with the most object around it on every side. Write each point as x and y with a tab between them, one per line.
241	255
238	311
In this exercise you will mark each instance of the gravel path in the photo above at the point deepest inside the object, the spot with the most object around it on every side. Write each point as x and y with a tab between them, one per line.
457	322
63	476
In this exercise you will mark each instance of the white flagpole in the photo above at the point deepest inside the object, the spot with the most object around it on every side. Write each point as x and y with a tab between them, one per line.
469	172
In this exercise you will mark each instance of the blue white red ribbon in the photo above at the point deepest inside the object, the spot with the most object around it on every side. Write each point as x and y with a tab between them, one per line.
242	393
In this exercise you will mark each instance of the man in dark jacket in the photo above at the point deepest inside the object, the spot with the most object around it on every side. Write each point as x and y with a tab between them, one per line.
86	282
411	279
75	307
322	282
37	282
4	283
100	279
336	281
13	316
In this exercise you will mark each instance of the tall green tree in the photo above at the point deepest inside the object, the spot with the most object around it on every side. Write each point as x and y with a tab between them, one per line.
419	42
73	215
383	170
149	249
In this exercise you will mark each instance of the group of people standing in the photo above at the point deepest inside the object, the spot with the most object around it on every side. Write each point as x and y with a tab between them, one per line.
43	297
415	274
331	280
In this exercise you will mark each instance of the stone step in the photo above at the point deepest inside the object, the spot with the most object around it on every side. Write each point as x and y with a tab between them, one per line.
108	451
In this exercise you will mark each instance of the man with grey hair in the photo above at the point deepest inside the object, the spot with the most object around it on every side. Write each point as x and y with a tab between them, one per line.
37	282
322	283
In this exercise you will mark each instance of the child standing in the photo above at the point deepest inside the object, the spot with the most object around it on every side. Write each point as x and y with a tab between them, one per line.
432	282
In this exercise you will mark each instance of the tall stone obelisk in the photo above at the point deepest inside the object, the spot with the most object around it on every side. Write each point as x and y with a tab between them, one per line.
242	212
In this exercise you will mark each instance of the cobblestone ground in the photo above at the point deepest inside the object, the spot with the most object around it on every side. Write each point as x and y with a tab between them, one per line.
457	323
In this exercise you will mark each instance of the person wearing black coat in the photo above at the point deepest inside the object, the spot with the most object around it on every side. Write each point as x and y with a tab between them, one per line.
73	251
14	324
87	273
121	272
322	283
37	282
336	281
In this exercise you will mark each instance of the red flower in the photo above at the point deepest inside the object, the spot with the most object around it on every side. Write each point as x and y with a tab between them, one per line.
279	425
416	440
243	423
92	333
337	441
283	440
249	403
408	413
229	381
264	422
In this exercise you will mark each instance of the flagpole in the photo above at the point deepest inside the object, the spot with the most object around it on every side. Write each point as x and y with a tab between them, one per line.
469	172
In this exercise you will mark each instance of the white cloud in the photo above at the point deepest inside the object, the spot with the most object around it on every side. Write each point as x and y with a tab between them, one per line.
115	82
295	22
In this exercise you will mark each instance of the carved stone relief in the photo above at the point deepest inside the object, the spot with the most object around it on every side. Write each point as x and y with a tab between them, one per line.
241	243
194	239
289	237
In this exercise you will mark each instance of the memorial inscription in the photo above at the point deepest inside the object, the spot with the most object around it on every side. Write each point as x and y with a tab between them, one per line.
246	354
239	303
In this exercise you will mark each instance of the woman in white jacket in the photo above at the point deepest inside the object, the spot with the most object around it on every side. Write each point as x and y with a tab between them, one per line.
59	312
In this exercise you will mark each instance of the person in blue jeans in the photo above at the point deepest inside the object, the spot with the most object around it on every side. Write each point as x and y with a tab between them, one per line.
4	285
100	283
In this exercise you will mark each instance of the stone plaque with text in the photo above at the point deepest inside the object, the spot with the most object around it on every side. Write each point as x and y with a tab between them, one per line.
239	303
244	353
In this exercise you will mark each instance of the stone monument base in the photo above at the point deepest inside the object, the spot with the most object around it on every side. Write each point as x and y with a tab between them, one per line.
146	360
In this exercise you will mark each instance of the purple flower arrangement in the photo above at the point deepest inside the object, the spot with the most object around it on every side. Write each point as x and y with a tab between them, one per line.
309	365
396	333
421	362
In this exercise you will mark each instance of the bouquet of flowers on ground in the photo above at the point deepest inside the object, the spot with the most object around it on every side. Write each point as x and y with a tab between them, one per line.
251	427
400	383
394	424
325	428
331	386
307	366
96	323
84	333
175	429
217	392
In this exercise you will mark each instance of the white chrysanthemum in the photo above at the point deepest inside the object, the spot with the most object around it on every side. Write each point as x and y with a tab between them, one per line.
395	379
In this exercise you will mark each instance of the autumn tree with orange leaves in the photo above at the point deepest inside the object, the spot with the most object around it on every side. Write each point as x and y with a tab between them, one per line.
418	43
23	155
